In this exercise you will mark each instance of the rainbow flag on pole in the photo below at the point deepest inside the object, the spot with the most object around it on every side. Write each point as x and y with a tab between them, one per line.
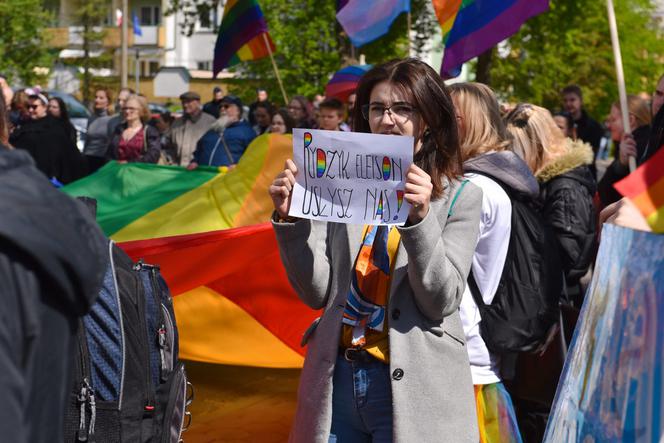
645	188
471	27
242	35
207	229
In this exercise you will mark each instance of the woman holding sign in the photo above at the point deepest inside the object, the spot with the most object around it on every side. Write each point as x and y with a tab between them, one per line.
386	360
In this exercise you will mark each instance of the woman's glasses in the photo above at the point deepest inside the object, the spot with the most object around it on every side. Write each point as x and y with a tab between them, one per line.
400	111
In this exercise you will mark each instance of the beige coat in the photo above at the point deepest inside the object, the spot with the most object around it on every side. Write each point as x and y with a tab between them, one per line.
184	135
431	384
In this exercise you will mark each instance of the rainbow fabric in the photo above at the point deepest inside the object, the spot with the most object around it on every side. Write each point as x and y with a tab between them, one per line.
241	35
344	82
367	298
365	21
645	188
495	415
207	231
470	27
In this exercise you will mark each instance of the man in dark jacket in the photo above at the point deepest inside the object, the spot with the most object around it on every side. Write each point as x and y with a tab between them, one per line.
213	107
45	138
226	141
52	260
586	128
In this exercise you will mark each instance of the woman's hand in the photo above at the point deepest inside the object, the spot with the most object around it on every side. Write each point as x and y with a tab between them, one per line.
624	213
418	193
627	149
281	188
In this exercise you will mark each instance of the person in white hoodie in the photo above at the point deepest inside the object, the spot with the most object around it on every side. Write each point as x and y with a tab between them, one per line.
485	151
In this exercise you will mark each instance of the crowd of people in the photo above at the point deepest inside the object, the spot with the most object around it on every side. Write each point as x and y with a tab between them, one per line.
125	130
399	352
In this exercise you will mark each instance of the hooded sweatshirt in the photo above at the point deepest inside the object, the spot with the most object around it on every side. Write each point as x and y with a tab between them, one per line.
492	246
52	259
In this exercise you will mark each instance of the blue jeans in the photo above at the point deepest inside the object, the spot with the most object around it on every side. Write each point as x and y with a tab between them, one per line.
361	402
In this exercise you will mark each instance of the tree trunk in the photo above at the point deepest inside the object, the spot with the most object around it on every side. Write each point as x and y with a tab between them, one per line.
483	74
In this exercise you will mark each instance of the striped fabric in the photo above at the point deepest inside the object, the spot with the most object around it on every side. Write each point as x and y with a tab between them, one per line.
470	27
645	188
367	298
240	35
495	415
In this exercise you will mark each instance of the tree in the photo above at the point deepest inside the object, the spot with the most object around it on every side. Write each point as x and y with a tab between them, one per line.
22	45
89	16
571	44
311	44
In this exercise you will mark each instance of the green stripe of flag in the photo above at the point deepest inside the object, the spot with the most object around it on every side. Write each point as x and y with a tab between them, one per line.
146	186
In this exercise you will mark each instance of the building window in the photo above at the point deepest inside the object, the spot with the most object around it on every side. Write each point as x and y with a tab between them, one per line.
204	66
153	67
209	21
150	15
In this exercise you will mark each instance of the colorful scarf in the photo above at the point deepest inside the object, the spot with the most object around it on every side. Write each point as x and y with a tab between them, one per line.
367	299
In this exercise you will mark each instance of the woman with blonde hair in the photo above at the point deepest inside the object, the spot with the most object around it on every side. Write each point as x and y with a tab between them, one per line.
627	144
490	165
567	188
135	140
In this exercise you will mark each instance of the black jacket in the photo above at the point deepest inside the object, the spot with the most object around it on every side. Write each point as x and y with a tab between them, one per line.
567	190
52	260
617	171
152	143
589	130
55	154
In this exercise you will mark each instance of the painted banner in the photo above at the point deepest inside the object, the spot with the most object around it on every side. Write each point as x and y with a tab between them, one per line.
611	386
350	177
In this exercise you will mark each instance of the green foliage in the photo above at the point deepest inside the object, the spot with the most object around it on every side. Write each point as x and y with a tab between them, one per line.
571	44
22	46
311	45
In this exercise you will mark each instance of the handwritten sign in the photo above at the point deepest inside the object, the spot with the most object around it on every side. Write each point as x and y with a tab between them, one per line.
350	177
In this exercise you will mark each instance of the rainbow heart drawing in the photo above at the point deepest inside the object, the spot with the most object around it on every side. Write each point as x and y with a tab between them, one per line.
321	162
387	168
307	139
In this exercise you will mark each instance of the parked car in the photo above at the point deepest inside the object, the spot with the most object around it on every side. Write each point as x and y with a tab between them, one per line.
78	114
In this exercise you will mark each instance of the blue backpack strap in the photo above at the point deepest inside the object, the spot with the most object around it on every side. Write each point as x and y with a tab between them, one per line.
456	196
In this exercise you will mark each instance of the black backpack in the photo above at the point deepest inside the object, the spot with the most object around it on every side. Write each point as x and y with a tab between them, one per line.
526	303
128	384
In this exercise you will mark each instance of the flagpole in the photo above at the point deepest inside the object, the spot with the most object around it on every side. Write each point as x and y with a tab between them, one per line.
622	92
274	66
123	39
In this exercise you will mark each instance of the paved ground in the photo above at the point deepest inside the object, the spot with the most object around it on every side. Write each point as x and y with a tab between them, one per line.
241	404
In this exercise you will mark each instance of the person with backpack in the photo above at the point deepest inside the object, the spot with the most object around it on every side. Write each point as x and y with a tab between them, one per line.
490	165
52	263
562	167
399	372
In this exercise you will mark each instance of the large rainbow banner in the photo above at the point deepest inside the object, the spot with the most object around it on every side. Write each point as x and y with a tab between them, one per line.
207	229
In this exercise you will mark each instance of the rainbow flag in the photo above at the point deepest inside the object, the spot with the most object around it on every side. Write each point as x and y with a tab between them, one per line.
207	229
365	21
470	27
645	188
241	35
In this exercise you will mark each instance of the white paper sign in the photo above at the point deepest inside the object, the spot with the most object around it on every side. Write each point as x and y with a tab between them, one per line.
350	177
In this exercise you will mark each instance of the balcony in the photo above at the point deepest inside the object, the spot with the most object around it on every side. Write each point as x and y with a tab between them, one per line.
152	36
71	36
